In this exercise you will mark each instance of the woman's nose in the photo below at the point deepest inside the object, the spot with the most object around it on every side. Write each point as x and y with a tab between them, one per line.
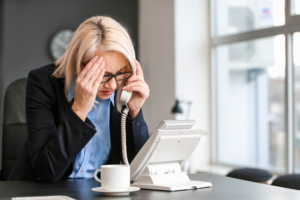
111	84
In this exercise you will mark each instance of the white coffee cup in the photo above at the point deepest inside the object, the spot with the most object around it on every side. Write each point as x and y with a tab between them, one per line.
114	177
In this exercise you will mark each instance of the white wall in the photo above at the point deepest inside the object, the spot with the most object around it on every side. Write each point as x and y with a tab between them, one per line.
156	53
174	53
192	70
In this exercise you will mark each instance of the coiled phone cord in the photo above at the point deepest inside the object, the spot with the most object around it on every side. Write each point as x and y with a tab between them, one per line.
123	136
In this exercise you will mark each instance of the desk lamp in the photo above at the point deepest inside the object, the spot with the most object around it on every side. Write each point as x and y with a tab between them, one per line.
177	109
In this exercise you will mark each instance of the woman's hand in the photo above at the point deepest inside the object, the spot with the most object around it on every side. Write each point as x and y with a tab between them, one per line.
140	90
86	88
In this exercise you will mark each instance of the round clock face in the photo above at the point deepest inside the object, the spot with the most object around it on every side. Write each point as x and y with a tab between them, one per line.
60	42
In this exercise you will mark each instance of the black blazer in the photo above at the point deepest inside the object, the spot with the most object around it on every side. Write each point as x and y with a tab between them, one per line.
56	134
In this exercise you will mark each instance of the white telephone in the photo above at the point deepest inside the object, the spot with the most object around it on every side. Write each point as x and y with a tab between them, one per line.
124	99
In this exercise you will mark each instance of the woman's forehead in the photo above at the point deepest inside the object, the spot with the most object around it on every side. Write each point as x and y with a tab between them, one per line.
114	61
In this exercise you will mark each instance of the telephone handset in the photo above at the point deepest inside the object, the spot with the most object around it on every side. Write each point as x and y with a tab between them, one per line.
124	99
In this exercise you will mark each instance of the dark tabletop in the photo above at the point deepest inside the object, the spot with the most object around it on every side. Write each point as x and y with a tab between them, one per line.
224	188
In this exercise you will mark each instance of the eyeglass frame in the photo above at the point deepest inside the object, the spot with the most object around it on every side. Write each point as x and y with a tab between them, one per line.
115	76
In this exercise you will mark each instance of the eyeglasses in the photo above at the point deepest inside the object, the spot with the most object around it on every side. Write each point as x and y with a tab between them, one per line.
118	77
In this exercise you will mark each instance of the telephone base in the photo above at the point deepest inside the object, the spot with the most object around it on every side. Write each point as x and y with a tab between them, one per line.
186	185
167	181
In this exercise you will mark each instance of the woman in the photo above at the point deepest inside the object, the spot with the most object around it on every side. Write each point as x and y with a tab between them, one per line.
72	125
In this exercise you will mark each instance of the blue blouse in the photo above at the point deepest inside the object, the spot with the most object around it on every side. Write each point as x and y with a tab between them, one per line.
96	151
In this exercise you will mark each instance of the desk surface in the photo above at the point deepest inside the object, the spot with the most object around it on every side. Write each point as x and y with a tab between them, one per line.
223	188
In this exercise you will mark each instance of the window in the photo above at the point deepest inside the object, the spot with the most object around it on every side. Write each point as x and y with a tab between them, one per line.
256	84
236	16
295	7
250	87
296	53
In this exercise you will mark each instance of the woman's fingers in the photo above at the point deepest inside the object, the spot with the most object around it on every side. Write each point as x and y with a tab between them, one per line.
138	86
87	67
139	70
139	74
134	81
134	78
99	78
92	70
95	75
143	93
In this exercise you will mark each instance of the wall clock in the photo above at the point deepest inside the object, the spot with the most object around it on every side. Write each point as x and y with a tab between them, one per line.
59	43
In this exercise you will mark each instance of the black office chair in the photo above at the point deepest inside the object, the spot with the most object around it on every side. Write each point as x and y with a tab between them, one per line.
291	181
251	174
14	125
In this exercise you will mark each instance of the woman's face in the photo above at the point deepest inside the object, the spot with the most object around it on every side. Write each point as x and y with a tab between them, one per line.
115	63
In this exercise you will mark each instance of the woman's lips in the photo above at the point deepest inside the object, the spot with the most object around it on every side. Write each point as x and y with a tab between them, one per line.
107	92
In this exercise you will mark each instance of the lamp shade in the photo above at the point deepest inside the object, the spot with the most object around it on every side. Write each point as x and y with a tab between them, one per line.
177	108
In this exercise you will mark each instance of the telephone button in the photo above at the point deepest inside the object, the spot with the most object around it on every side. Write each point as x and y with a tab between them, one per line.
86	133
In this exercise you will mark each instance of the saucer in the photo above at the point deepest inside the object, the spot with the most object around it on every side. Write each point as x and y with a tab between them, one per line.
123	192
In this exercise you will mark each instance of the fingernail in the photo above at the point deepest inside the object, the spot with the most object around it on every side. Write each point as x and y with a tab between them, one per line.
95	58
124	88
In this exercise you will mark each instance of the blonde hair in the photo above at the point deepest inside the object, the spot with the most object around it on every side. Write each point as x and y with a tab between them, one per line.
96	33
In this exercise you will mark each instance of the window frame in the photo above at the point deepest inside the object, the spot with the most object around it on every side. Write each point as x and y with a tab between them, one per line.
291	26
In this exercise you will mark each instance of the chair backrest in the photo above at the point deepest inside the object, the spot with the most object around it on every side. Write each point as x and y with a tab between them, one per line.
251	174
14	125
291	181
